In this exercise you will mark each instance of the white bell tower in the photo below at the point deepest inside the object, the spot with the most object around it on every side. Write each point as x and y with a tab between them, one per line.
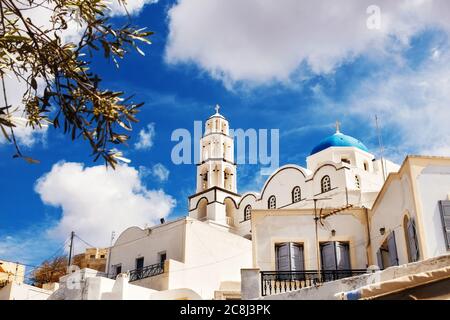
216	167
215	199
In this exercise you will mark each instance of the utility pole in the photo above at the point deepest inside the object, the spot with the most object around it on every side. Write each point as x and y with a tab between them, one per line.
72	234
316	220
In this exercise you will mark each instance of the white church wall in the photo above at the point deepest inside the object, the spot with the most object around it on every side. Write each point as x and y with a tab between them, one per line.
270	227
395	201
433	185
281	183
212	256
136	242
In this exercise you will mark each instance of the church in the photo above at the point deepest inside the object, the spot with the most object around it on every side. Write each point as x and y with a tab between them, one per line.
347	211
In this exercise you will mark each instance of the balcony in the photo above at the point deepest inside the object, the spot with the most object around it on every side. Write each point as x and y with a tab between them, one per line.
145	272
274	282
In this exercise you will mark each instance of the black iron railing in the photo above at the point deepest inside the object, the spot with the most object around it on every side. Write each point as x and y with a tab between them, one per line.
145	272
273	282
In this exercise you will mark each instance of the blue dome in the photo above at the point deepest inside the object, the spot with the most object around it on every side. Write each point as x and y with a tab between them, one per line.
339	140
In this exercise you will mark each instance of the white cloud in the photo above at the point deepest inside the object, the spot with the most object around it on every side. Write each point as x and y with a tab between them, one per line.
259	41
133	7
160	172
96	201
146	136
40	16
413	104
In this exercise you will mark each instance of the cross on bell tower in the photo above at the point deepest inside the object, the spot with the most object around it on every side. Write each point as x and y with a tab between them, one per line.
217	107
338	126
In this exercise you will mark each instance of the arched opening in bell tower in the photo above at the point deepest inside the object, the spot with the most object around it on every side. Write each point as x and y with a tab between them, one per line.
202	204
228	179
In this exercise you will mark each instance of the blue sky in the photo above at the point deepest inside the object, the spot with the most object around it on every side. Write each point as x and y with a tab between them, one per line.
399	75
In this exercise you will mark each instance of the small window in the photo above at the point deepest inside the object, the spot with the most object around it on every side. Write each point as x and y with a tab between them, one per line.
357	182
289	256
335	255
102	256
162	257
326	184
345	160
296	194
118	269
366	166
272	203
247	212
140	263
92	256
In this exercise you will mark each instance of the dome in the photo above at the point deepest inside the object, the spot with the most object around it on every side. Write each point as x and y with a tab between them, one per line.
339	140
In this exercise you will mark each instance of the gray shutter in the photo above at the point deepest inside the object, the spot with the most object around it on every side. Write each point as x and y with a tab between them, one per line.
283	258
297	259
380	259
445	215
412	241
328	255
392	247
342	256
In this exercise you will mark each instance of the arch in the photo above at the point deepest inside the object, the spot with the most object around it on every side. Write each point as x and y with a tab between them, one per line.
247	212
204	179
202	209
296	194
326	164
227	179
410	234
230	205
325	183
232	200
272	202
297	168
248	194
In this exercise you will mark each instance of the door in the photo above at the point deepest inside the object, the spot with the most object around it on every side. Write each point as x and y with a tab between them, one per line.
412	241
392	248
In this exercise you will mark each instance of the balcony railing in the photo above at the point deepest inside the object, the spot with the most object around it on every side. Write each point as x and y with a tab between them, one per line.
273	282
145	272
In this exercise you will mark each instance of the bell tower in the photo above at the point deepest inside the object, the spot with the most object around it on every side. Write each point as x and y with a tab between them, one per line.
215	199
216	167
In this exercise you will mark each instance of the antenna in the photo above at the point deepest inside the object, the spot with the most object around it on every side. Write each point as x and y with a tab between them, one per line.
380	143
113	235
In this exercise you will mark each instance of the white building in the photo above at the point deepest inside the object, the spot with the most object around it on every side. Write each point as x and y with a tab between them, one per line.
341	214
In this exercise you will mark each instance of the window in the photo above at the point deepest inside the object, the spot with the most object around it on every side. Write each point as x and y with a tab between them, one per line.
345	160
118	269
296	194
445	215
272	203
247	212
326	184
411	239
357	182
162	257
139	263
335	255
387	254
289	256
92	256
102	256
366	166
